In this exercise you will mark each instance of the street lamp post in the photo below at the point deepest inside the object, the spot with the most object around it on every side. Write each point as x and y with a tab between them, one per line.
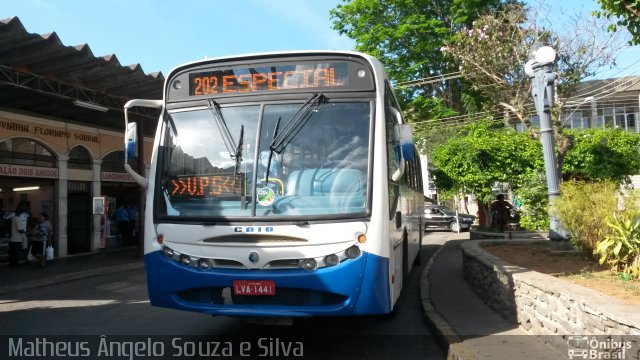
539	69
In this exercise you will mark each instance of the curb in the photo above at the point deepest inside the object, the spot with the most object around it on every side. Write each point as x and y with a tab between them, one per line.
446	336
56	279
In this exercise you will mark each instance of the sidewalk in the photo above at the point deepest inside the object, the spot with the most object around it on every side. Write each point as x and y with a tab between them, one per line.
469	328
28	276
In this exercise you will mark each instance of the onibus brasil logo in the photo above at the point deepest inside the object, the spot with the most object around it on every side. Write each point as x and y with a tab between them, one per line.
583	347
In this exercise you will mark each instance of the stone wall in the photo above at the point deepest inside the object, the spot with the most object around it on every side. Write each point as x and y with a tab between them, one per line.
479	234
543	305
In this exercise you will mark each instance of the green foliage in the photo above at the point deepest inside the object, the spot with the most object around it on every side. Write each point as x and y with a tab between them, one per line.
603	154
427	133
583	208
483	155
534	212
621	249
627	13
406	35
494	50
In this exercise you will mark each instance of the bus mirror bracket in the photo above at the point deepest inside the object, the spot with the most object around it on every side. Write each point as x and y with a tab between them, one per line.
131	137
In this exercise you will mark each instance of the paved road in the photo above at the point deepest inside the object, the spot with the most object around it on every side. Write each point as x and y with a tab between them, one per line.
117	304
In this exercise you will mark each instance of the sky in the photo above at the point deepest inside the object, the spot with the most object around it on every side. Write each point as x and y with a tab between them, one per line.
162	34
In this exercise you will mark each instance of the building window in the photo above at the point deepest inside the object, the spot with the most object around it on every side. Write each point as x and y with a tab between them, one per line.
23	151
576	121
618	117
79	158
631	123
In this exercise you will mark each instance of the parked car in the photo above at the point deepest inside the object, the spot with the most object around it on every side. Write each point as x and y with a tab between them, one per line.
443	217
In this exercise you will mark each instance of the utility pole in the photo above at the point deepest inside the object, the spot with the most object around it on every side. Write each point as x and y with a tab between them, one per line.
539	69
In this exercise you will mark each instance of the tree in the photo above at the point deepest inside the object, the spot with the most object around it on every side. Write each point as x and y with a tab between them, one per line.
627	14
603	154
486	153
483	154
494	50
406	36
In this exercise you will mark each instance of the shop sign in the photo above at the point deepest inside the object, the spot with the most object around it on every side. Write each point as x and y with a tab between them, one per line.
116	176
43	131
28	171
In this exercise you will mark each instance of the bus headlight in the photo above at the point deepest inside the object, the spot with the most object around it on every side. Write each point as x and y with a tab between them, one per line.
331	260
185	259
168	252
309	264
352	252
204	264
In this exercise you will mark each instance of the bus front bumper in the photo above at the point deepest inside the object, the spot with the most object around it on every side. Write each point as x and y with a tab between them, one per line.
353	287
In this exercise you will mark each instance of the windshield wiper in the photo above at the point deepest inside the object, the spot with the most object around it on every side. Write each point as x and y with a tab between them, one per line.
229	143
238	158
275	133
238	154
296	123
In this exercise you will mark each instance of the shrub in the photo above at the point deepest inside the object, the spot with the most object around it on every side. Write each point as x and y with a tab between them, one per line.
621	249
534	212
584	208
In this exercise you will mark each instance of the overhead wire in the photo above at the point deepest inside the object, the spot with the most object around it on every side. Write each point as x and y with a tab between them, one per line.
600	91
430	78
424	82
604	84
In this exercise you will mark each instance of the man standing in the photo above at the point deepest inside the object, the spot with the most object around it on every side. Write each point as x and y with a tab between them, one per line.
18	233
501	211
122	220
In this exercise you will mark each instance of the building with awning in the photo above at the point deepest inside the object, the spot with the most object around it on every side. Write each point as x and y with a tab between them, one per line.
61	132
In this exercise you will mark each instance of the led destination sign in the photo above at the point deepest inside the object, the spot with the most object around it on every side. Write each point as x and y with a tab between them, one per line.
204	186
272	78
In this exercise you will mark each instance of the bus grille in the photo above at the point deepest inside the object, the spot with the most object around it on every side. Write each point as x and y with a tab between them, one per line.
283	297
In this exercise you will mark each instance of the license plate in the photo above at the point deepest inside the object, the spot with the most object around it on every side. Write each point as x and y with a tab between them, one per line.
254	287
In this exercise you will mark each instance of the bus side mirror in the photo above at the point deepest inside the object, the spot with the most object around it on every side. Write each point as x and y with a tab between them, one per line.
131	136
405	138
130	140
404	146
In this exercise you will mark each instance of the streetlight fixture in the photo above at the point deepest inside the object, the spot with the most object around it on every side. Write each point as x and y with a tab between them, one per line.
539	69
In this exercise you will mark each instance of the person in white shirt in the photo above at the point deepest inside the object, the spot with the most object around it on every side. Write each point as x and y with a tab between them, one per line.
18	234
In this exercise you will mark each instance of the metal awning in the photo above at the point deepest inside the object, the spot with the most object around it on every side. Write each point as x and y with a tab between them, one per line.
40	75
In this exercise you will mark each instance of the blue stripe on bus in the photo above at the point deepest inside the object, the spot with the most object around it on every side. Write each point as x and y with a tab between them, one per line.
362	281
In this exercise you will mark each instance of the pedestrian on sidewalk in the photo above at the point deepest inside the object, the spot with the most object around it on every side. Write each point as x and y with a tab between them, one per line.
42	239
18	236
122	219
132	211
501	211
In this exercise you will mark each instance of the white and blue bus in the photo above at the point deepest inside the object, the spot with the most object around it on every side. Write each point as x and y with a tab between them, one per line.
281	185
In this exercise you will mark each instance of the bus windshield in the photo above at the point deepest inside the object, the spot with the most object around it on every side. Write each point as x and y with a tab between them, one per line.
214	164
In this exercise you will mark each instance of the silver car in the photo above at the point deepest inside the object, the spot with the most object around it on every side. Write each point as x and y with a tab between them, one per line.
443	217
